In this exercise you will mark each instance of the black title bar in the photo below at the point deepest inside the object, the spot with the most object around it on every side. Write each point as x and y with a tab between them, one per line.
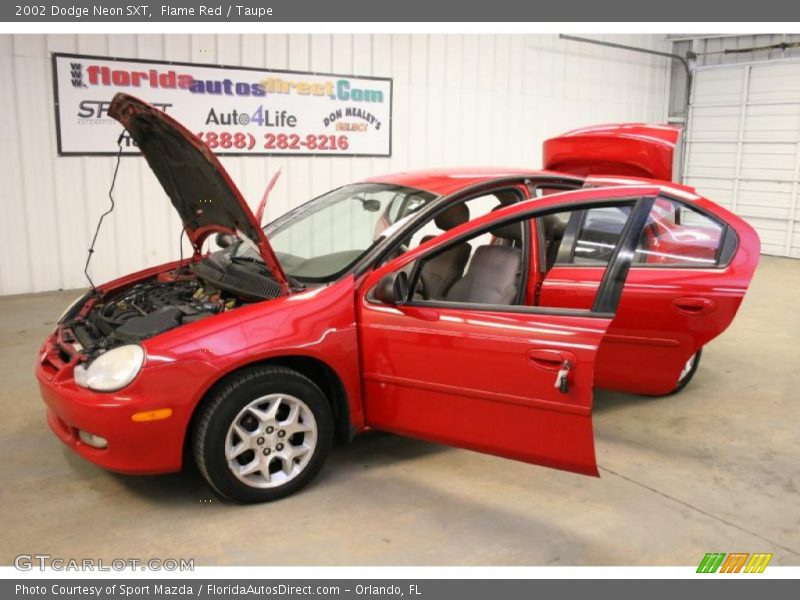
254	11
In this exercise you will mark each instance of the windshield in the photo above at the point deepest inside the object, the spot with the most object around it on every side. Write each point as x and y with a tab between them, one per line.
321	239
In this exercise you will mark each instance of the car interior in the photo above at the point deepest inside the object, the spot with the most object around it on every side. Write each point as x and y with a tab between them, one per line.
443	270
475	268
495	270
488	268
552	228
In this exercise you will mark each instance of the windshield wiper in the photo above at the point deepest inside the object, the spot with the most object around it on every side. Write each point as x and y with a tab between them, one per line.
260	263
247	259
250	261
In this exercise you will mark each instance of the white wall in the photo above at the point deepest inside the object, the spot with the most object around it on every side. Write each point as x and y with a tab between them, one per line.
743	134
458	100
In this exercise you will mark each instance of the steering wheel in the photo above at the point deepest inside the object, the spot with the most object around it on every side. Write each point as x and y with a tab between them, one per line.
421	287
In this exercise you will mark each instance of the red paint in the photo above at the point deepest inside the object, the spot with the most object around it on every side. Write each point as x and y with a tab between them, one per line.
483	380
449	181
651	338
182	364
633	149
487	395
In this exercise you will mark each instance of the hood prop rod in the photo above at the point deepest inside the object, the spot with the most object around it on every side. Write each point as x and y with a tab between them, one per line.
105	214
263	204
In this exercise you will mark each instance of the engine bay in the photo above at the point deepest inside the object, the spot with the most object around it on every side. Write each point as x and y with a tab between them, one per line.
148	308
164	302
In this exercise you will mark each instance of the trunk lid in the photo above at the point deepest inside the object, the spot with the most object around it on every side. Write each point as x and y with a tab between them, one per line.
628	149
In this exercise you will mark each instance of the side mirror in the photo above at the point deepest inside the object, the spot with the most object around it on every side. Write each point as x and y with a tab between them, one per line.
225	239
393	289
369	205
372	205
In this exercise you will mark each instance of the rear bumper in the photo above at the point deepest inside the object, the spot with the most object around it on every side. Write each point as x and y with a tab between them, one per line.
134	447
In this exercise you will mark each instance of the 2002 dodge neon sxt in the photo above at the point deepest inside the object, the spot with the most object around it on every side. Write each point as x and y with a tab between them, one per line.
476	308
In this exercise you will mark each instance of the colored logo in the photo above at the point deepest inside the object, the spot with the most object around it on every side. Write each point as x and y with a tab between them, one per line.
736	562
170	79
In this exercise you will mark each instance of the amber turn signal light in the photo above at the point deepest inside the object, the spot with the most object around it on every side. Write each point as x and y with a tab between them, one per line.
152	415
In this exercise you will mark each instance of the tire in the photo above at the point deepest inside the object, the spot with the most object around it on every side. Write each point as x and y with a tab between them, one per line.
271	419
686	377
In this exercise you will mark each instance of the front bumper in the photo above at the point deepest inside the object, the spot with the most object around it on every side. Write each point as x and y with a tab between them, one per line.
134	447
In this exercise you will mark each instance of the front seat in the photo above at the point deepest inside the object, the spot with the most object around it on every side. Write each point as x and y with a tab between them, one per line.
495	271
443	270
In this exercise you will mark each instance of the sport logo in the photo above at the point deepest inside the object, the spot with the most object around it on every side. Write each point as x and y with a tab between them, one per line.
98	109
716	562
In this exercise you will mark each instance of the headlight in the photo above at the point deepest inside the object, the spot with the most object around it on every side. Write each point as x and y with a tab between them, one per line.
111	371
69	308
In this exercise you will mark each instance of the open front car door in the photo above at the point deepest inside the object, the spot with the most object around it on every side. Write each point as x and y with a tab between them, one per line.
479	368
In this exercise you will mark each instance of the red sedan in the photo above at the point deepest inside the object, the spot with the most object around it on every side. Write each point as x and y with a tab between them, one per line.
472	307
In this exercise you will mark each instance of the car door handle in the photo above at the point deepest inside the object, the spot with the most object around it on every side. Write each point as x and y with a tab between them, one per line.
694	306
552	360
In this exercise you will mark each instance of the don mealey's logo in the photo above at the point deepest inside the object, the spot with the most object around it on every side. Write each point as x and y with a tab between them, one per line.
353	113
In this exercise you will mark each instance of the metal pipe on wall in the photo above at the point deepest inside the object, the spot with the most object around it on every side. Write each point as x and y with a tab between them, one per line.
677	176
678	57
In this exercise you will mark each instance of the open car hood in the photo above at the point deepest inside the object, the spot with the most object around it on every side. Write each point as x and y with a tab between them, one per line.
197	184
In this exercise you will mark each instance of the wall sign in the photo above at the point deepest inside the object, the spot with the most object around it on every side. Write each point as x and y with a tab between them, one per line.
235	110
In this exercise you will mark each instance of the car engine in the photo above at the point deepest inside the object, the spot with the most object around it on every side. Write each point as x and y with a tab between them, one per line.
145	310
165	301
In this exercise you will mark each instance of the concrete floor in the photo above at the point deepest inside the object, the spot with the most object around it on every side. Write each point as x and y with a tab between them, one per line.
716	468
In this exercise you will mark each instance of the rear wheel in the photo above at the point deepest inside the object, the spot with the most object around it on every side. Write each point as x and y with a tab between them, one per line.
688	371
263	435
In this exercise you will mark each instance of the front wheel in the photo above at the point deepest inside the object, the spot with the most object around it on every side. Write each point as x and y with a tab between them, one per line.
263	435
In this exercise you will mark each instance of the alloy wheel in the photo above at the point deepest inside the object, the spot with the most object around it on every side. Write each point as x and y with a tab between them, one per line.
271	441
687	368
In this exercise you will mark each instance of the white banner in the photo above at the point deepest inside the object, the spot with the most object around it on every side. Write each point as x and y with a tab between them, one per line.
234	110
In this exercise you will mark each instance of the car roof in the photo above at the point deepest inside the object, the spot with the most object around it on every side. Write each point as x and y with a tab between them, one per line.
684	192
451	180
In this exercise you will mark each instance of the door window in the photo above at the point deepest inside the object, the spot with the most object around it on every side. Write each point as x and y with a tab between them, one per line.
675	234
475	207
487	267
496	258
599	234
441	273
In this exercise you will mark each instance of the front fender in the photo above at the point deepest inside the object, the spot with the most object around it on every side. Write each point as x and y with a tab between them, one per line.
318	323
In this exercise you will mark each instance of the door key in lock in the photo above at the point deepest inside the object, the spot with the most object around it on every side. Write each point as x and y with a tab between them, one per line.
562	379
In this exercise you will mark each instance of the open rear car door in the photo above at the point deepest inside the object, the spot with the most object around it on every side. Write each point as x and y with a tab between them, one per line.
691	268
505	379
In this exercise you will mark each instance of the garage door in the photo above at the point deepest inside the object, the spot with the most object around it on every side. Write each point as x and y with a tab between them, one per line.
743	146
